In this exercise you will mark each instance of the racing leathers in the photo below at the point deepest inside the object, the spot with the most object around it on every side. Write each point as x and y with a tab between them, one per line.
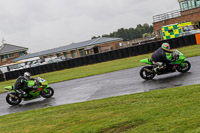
159	57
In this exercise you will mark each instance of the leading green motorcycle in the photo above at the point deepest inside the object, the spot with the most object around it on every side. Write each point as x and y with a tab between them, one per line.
43	90
180	64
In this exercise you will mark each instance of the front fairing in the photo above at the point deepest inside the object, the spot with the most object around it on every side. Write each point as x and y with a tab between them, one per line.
181	58
31	83
169	56
43	82
43	85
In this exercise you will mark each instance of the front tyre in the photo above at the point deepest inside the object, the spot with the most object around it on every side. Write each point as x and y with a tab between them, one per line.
47	94
186	67
13	99
147	73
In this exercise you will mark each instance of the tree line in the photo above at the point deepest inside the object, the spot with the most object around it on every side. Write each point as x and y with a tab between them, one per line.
141	31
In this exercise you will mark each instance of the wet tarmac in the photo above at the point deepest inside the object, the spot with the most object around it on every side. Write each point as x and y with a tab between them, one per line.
106	85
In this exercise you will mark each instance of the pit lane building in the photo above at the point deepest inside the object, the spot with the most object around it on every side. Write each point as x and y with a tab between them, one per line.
8	52
74	50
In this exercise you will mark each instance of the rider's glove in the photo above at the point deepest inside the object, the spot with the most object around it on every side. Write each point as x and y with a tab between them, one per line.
173	60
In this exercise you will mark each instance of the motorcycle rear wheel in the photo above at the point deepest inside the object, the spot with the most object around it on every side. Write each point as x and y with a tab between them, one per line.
186	67
147	75
49	94
12	100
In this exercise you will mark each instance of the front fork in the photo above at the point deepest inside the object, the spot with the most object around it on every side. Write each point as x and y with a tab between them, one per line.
182	64
45	89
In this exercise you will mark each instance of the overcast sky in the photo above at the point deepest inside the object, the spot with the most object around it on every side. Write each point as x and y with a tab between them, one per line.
44	24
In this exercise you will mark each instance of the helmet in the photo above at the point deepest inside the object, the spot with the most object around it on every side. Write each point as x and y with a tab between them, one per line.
165	46
27	75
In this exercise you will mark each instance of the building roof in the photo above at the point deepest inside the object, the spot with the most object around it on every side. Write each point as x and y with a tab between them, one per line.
9	48
69	47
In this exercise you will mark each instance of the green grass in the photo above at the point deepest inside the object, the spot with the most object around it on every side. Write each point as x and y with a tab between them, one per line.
100	68
174	110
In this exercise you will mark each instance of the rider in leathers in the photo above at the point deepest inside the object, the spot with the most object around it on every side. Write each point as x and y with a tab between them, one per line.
22	82
159	57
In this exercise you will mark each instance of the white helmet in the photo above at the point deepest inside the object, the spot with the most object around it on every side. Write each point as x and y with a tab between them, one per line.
27	75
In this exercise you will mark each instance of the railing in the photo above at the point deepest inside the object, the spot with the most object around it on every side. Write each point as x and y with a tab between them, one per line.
176	13
165	16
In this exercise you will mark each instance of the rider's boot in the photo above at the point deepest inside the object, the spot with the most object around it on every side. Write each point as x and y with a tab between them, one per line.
22	94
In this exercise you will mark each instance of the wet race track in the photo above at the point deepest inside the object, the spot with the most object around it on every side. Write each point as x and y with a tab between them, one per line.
106	85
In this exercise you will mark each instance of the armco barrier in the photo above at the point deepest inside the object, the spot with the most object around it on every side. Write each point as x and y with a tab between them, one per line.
186	41
101	57
8	75
193	40
152	47
1	77
114	54
141	49
130	51
175	43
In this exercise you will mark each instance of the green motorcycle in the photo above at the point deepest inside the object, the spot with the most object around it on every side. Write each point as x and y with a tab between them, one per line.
43	90
179	64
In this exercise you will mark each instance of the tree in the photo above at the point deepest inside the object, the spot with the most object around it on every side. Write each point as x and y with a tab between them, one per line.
131	33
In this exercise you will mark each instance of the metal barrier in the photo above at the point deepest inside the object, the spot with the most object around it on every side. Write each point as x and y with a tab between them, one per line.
165	16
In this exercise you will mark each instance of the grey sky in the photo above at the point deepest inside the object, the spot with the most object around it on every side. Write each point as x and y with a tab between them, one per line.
45	24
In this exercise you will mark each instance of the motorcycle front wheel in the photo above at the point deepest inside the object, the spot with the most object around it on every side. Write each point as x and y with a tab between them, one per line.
147	73
13	99
50	93
184	69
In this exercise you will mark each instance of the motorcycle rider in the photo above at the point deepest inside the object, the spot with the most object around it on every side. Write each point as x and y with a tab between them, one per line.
159	57
22	82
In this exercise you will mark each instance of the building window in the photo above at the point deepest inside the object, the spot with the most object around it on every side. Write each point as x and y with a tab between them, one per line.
198	3
22	53
4	56
160	34
58	54
11	55
74	54
189	4
82	52
193	4
65	54
197	25
7	56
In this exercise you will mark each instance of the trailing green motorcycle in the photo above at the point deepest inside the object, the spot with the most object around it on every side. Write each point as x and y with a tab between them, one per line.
43	90
180	64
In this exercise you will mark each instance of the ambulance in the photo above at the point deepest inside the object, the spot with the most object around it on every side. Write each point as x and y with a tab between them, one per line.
178	29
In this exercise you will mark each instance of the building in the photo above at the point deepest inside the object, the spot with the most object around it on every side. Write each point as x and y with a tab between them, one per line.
9	52
74	50
189	12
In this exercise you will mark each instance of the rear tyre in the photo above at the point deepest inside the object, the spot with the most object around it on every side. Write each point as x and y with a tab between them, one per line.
147	73
50	93
13	100
184	69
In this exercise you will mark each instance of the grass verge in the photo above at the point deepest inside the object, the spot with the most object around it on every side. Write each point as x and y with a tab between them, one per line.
100	68
167	110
